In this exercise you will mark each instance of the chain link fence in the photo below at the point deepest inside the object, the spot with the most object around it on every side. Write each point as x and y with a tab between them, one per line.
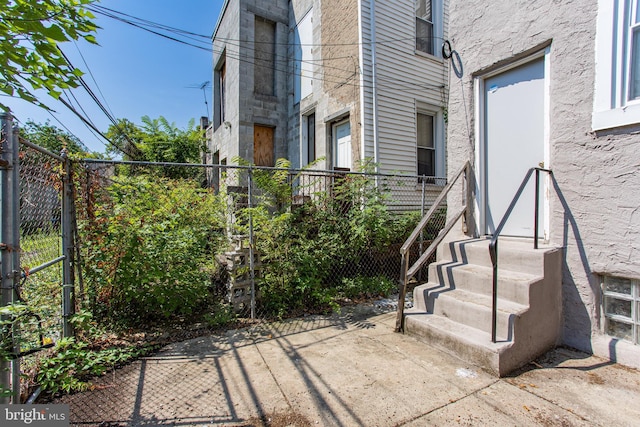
41	258
161	242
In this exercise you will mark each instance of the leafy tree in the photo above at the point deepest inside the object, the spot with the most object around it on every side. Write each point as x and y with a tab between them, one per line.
128	136
30	31
53	139
164	142
158	140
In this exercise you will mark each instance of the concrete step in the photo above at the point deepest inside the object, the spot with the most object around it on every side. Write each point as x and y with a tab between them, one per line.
513	286
454	310
465	342
468	308
513	254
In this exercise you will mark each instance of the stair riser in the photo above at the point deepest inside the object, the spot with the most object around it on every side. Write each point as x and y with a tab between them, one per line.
452	276
469	314
479	355
477	252
453	310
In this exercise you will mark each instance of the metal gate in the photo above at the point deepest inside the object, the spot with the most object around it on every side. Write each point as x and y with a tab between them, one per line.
36	216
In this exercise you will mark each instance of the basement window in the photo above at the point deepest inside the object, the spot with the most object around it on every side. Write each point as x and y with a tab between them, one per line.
622	308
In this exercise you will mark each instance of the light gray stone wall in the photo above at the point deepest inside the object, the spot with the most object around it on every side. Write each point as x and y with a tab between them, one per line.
258	108
595	212
245	107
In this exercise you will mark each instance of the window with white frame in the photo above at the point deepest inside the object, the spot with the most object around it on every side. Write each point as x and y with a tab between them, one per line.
429	26
621	304
424	26
617	85
426	147
430	151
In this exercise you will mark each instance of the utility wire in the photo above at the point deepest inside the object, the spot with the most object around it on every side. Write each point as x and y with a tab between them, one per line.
328	78
93	78
150	23
105	11
112	119
68	130
111	13
86	115
92	126
142	27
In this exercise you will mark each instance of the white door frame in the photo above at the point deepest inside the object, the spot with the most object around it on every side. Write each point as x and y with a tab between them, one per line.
334	137
480	143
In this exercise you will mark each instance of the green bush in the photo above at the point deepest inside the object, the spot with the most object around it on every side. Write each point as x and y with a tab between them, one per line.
150	250
73	364
327	247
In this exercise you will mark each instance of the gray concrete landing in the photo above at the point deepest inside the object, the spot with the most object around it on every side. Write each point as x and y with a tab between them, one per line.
350	370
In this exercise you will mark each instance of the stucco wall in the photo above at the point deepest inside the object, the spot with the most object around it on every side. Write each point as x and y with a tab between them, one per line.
595	213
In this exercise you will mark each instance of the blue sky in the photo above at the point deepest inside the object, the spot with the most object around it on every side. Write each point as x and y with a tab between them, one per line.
138	73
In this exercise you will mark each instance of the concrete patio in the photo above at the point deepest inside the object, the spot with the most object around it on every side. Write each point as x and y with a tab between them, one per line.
350	370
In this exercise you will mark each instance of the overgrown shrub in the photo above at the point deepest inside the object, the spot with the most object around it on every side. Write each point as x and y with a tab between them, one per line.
150	250
312	253
151	245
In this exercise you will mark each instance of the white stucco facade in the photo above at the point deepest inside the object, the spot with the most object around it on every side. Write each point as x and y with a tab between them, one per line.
593	208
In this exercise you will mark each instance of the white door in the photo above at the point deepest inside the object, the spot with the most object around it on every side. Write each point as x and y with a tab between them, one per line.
514	142
342	144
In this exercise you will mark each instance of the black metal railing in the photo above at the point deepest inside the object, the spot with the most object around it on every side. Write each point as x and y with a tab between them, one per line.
493	245
406	272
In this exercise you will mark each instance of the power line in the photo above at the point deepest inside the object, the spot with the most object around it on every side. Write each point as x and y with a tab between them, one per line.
93	78
112	119
115	14
92	126
67	129
87	126
285	61
142	27
150	23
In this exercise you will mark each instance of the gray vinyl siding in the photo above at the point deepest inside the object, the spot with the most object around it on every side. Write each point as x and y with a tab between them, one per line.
404	79
366	80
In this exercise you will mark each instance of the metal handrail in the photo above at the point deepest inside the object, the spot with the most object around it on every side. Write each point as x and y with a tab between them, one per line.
493	245
406	272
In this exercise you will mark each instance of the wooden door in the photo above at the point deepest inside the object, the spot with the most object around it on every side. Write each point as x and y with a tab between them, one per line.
263	145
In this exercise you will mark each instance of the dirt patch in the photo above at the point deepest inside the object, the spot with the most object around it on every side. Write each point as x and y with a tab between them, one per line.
290	419
594	378
547	420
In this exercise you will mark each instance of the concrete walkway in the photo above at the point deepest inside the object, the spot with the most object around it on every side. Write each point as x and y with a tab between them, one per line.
351	370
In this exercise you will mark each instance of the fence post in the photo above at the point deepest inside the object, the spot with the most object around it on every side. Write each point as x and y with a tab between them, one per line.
421	241
10	245
68	297
252	271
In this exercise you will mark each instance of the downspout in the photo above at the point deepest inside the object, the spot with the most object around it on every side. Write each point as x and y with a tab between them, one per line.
374	84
